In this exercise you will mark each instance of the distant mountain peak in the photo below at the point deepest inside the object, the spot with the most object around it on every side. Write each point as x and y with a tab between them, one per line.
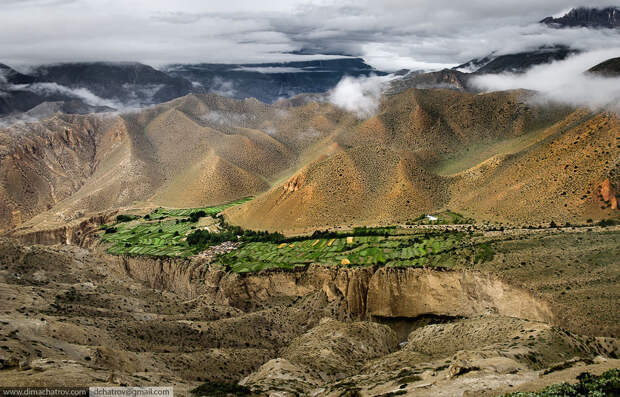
12	76
608	17
517	62
609	68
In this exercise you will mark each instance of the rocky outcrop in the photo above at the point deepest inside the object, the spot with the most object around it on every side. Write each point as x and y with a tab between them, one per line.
416	292
608	194
177	275
364	292
82	233
385	292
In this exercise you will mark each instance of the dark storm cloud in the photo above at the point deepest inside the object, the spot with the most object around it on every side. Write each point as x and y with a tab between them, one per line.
390	34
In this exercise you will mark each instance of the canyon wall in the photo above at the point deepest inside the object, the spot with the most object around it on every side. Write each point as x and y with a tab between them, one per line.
365	292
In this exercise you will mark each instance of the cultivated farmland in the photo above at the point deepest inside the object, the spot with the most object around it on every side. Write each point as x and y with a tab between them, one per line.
162	232
399	249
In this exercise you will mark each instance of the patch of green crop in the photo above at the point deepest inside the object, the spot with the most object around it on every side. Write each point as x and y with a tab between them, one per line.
607	384
175	233
162	233
398	250
161	213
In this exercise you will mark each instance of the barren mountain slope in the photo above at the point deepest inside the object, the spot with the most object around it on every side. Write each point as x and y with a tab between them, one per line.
369	183
497	157
196	150
44	163
558	178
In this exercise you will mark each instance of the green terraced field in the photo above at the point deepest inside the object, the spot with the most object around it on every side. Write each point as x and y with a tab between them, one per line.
160	213
150	238
162	235
404	250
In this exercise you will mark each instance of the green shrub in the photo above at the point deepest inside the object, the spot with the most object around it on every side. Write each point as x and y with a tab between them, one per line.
194	216
607	384
607	222
484	253
125	218
220	389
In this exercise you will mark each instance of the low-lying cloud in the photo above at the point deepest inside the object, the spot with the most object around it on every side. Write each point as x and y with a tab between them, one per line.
226	118
269	69
563	81
223	87
79	93
360	95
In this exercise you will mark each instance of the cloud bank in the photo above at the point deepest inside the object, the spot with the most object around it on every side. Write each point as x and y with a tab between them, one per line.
389	34
79	93
563	81
269	69
360	95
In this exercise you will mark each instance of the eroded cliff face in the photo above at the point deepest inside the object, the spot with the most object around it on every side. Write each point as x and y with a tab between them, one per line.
324	331
81	233
415	292
45	163
169	274
364	293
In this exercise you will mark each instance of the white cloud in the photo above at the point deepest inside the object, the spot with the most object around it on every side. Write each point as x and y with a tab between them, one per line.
563	81
269	69
360	95
81	93
223	87
392	34
226	118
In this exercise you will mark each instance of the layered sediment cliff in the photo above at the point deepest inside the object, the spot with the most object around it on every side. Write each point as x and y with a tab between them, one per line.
365	292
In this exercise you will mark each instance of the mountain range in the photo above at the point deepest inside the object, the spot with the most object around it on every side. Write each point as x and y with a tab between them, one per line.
135	85
269	82
313	165
608	17
104	86
246	230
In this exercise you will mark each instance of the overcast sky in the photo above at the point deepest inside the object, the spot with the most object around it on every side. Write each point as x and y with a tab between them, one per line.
389	34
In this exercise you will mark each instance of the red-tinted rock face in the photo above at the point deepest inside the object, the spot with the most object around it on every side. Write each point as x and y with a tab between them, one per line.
609	194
